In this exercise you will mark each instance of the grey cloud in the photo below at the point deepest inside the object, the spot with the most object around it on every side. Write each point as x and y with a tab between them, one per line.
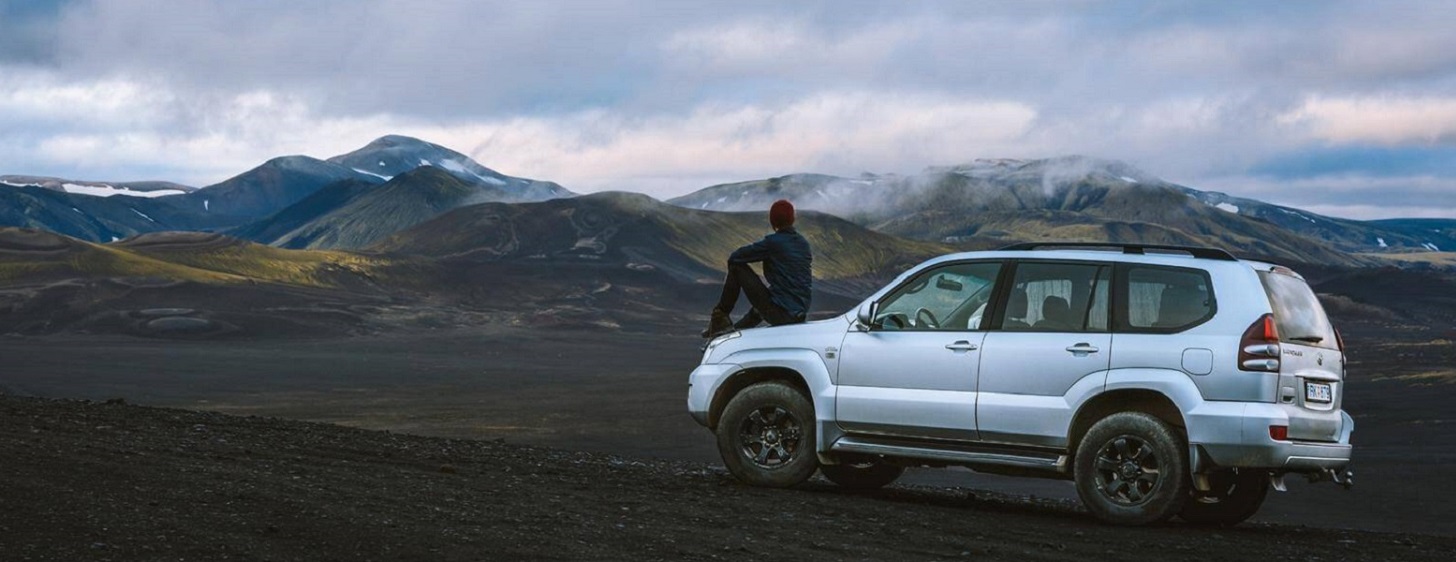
1190	91
448	59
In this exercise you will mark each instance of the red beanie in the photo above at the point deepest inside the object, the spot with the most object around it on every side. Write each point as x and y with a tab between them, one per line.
781	214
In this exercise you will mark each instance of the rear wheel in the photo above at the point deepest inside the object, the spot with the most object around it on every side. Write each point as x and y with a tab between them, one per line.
766	436
1132	469
866	475
1233	497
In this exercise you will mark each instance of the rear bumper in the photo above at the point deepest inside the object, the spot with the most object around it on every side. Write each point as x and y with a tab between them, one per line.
1236	435
1288	456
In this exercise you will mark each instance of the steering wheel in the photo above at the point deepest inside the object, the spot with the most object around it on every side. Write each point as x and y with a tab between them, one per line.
924	318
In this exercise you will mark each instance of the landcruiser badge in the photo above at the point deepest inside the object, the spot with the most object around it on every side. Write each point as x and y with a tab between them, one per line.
1319	359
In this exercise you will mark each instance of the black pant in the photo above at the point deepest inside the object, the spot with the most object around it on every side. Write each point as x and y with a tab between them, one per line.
741	278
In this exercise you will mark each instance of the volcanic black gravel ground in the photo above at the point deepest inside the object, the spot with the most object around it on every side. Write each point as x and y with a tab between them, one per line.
98	481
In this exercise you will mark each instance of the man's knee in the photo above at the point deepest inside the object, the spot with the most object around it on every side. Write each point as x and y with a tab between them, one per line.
741	270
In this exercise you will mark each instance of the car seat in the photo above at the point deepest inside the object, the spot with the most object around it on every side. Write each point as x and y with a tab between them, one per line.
1016	306
1180	306
1056	314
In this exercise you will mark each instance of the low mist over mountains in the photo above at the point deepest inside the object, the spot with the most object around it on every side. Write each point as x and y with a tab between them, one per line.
1075	198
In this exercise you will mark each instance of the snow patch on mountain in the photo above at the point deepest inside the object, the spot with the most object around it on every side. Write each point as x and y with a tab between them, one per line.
144	215
1289	212
380	176
1381	242
1430	246
104	190
1228	208
459	168
96	189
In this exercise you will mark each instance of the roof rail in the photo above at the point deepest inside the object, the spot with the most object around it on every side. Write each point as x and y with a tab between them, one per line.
1195	251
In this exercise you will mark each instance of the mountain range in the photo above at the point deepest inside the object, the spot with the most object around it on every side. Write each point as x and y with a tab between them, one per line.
404	195
404	233
106	211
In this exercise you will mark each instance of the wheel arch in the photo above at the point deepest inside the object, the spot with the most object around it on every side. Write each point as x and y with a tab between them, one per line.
1168	395
801	368
748	377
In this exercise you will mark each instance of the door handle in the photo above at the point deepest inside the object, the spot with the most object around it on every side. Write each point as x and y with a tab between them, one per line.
1082	349
962	345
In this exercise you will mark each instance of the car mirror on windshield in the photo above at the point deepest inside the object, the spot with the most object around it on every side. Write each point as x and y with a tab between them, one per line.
949	284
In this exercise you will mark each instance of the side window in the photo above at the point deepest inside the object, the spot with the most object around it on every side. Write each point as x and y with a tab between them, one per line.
1058	297
947	298
1161	299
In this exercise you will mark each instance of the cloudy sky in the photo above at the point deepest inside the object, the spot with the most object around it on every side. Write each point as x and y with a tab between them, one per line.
1346	108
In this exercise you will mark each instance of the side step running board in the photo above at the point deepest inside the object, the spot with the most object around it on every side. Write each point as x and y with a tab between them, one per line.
951	453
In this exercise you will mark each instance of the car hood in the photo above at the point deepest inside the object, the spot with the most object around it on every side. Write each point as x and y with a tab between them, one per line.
814	336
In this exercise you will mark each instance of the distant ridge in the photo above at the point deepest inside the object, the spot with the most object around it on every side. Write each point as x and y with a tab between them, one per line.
1075	199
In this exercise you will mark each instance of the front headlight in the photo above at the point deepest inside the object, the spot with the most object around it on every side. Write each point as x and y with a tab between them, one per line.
715	342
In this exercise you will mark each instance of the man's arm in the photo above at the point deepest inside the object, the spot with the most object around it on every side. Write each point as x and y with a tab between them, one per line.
755	252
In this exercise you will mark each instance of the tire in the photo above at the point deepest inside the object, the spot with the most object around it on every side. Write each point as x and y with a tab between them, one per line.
863	475
1132	469
766	436
1235	496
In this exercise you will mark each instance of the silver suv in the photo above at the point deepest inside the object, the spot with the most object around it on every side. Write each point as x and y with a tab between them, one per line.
1164	381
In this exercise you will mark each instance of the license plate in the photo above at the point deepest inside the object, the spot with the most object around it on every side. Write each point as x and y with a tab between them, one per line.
1317	392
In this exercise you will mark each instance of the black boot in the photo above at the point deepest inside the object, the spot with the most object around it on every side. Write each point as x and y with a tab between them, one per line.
718	324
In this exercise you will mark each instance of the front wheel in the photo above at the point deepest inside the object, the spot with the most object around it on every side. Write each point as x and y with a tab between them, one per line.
766	436
1132	469
868	475
1234	495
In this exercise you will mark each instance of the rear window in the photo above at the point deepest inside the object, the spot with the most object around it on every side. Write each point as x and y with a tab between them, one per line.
1297	312
1161	299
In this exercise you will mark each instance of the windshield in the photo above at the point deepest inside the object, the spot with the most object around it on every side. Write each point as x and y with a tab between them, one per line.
1297	312
946	298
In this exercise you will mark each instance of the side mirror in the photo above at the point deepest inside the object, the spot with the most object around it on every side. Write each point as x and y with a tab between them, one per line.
866	315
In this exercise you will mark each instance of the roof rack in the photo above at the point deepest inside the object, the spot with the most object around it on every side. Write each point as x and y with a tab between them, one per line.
1195	251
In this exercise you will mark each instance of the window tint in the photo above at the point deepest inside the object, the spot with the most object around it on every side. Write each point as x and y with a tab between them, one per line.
947	298
1161	299
1297	312
1058	297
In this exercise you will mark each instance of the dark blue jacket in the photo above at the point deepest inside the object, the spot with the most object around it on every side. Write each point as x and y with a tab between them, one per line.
787	267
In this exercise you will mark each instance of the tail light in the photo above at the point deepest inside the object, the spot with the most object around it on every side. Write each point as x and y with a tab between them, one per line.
1340	340
1259	348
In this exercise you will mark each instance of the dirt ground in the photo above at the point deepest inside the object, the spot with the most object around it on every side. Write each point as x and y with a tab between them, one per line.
95	481
577	390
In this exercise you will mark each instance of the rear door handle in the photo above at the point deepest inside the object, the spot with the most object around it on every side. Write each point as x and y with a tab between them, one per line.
1082	349
962	345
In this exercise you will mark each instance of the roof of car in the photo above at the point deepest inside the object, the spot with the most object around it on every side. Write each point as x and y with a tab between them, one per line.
1085	254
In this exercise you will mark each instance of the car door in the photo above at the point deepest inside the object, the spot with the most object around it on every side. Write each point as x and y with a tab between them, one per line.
912	373
1053	343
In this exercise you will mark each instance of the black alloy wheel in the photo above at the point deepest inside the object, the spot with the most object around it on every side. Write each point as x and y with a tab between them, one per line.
766	435
1131	468
770	437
